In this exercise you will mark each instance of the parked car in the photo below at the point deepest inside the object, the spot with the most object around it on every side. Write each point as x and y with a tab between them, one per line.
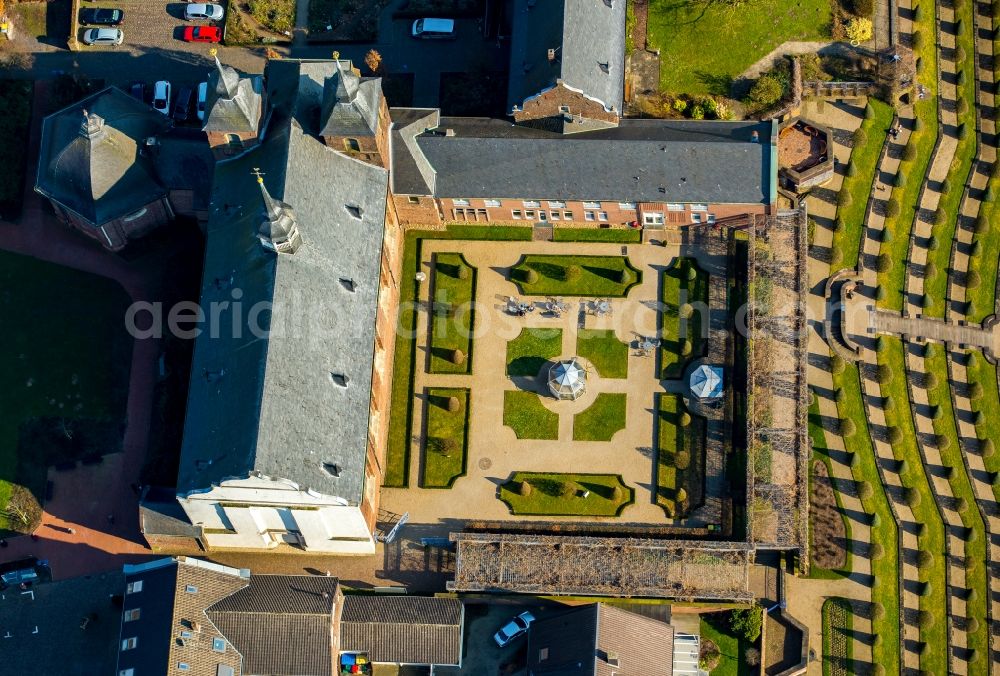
102	17
103	36
516	627
202	98
161	97
138	91
431	29
182	104
202	34
198	11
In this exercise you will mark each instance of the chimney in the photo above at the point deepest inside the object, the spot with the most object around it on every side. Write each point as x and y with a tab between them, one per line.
552	55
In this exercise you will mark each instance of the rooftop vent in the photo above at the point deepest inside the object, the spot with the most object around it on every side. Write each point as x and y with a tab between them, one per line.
332	468
552	54
339	379
449	132
348	284
604	66
610	3
354	210
613	659
213	376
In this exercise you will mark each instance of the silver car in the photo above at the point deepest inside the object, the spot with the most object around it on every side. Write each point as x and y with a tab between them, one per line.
199	11
103	36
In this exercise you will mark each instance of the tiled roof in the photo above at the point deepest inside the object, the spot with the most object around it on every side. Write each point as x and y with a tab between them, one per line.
403	629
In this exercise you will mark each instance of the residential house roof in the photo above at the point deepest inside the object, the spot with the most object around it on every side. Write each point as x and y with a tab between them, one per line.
588	42
638	161
411	173
403	629
92	159
267	400
172	627
600	640
281	624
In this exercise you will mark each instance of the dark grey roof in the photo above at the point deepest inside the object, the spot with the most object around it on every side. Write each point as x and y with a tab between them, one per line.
585	35
281	624
267	402
184	161
232	104
585	642
42	630
165	517
105	175
154	629
350	104
410	173
403	629
639	161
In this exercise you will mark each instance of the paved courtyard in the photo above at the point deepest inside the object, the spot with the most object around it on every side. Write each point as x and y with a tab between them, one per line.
495	452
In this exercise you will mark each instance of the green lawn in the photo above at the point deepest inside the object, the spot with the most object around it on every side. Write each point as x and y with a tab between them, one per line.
454	316
925	512
674	438
885	589
602	419
923	142
683	283
447	437
602	348
865	159
982	297
625	236
524	413
703	46
67	358
838	636
15	114
936	286
821	452
558	494
731	648
951	456
981	371
527	353
575	276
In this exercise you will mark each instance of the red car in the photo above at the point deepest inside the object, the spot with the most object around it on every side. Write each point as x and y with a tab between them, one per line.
202	34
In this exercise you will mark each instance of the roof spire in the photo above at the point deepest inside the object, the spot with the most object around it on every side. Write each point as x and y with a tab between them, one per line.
92	124
228	82
279	230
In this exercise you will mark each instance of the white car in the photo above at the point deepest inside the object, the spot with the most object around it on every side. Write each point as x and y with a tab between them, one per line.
199	11
103	36
516	627
161	96
202	97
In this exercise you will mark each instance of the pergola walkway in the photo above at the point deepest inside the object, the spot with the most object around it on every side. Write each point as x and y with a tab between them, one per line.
929	328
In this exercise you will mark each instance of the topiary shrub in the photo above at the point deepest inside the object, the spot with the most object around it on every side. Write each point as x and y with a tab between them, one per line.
900	179
860	137
463	272
930	381
454	404
523	489
624	276
942	441
844	199
530	276
692	273
976	249
848	428
909	152
963	128
456	357
895	435
883	373
684	419
933	243
925	619
837	364
878	611
865	490
682	496
918	39
567	488
883	263
891	211
746	623
686	348
982	225
937	412
876	553
986	448
852	168
682	460
924	559
685	311
941	216
961	506
976	391
573	273
912	498
839	395
972	279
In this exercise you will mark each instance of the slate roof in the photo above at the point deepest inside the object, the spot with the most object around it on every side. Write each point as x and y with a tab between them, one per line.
232	104
350	104
267	402
639	161
44	627
584	642
403	629
585	35
184	161
108	174
411	173
281	624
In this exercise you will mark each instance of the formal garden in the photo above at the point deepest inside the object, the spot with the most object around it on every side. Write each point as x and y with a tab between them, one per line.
533	493
73	383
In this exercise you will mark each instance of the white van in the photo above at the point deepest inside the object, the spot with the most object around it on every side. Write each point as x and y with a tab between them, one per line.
434	29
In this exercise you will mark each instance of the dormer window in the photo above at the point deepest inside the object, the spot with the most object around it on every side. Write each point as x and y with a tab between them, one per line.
332	468
339	379
352	145
347	283
605	67
354	210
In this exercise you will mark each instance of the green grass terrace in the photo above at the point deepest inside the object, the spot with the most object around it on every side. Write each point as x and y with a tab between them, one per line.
684	294
602	419
524	413
884	530
680	453
555	494
604	351
447	436
453	317
531	350
584	276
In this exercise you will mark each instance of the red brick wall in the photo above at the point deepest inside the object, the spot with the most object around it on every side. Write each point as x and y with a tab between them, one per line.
120	230
547	106
424	213
219	143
